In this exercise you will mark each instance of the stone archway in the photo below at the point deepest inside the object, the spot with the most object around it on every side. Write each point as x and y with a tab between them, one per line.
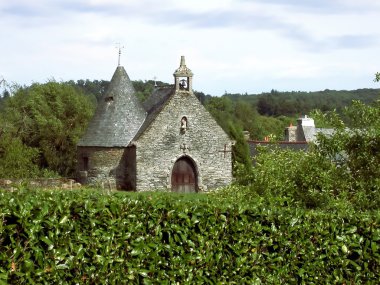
184	176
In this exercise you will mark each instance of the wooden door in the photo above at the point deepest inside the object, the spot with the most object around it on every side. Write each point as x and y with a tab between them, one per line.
183	176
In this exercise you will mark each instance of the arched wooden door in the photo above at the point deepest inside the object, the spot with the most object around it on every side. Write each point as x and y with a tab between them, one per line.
184	178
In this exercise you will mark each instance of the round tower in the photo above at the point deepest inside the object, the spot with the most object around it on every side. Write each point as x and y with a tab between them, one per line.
103	153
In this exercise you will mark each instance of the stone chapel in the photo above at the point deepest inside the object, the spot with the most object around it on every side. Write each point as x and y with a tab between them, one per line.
169	142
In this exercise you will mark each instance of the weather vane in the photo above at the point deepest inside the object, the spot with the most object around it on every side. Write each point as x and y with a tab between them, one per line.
119	46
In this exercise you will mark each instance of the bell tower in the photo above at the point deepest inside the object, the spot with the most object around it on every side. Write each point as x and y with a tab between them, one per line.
183	77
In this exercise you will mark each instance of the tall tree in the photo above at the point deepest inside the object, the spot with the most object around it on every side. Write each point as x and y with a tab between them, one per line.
51	118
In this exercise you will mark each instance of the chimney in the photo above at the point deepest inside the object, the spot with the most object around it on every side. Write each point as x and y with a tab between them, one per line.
291	133
304	124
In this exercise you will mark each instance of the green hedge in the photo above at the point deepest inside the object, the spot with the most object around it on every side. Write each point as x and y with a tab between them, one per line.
86	237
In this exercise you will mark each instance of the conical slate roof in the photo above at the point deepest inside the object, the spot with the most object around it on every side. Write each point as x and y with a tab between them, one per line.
118	117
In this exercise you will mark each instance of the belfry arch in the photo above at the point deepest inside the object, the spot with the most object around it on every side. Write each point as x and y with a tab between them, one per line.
183	77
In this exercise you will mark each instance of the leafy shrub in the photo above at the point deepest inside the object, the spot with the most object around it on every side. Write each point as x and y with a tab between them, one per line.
306	178
344	165
88	237
49	118
16	159
355	148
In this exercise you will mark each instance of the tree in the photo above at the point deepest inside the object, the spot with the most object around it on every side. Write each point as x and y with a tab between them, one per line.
241	153
355	149
49	117
223	110
16	159
143	89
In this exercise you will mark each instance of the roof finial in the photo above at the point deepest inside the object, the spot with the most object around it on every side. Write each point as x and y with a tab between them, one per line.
182	70
182	61
119	46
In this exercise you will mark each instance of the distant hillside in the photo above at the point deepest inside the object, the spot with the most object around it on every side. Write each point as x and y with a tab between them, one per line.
260	114
295	103
274	103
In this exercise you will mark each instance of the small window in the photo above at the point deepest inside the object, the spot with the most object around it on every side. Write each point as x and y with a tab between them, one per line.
85	163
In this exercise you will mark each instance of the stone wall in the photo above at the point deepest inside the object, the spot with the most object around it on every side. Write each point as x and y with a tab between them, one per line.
107	167
164	142
44	183
148	163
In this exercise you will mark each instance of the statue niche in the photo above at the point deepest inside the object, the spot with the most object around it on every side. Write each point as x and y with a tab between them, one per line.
183	124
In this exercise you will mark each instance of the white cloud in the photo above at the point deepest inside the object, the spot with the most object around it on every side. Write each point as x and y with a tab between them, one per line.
234	45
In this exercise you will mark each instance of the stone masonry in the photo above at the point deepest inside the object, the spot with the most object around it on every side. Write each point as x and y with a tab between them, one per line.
163	143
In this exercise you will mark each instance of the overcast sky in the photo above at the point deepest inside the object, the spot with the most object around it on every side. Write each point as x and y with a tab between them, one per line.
233	46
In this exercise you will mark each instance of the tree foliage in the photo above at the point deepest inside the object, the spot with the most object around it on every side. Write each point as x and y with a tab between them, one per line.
377	77
222	109
94	89
339	167
145	88
16	159
304	179
356	149
49	117
296	103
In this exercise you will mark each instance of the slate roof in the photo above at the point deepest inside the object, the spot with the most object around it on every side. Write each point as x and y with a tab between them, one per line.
325	131
118	117
310	133
154	104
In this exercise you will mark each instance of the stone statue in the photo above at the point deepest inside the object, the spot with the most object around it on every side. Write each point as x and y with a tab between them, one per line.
183	123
